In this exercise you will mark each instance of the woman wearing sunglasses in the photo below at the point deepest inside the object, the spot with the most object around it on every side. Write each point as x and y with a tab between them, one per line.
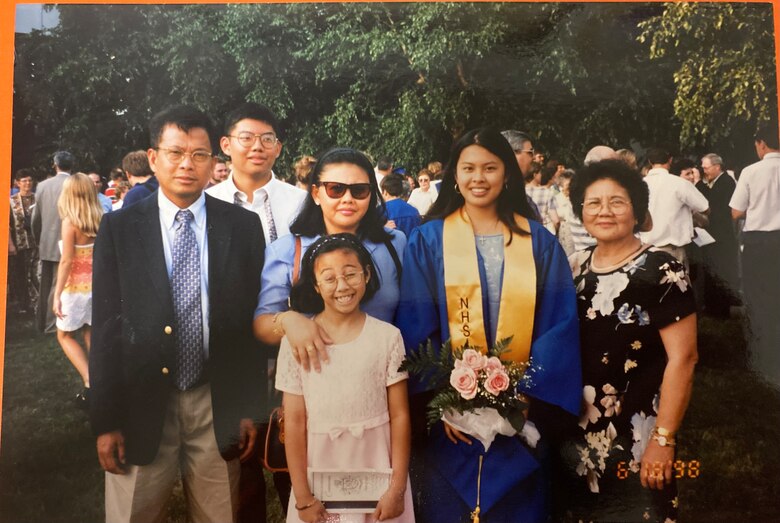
482	270
343	198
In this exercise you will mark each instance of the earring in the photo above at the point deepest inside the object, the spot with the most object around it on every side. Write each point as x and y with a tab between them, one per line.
456	189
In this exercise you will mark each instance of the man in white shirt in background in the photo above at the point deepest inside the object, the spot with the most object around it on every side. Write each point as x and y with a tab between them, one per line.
757	199
251	139
672	203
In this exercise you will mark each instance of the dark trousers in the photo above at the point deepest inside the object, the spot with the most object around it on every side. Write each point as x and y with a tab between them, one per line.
45	320
23	279
252	498
761	281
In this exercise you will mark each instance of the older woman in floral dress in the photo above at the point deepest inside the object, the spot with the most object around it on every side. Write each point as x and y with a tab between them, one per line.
638	338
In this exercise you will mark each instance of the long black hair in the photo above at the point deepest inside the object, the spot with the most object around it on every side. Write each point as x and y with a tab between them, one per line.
310	221
512	198
304	297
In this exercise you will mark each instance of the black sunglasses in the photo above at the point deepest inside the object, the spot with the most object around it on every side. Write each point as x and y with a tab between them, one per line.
359	191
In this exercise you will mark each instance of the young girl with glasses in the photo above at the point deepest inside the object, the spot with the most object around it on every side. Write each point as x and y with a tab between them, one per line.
343	198
80	212
354	414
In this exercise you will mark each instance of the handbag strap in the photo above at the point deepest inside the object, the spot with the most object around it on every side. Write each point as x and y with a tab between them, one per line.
297	261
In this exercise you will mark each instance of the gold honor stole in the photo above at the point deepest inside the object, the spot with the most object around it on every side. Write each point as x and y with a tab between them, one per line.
464	293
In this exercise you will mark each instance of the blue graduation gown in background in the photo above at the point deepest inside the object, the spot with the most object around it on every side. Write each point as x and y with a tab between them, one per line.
444	475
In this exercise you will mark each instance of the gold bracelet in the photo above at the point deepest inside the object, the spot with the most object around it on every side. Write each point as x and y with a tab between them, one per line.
278	328
309	505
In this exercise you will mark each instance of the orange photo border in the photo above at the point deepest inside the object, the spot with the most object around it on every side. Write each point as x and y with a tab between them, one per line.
7	23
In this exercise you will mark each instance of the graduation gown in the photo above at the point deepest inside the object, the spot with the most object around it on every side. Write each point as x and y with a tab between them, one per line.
514	482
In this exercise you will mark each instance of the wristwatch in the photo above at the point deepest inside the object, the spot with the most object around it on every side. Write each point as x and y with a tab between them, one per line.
664	437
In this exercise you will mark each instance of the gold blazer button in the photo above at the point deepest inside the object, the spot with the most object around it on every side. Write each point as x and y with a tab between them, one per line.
165	370
168	329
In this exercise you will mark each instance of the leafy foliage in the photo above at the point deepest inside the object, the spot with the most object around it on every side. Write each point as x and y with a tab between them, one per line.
726	72
399	79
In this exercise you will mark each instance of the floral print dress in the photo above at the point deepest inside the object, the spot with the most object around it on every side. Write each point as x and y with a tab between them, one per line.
621	310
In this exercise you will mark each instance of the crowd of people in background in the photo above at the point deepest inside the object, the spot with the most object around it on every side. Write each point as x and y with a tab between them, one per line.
622	253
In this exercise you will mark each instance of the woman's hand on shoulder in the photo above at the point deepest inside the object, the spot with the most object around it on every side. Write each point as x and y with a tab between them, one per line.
308	340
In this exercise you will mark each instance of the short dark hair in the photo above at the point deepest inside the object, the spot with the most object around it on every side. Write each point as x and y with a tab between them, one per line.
679	165
619	172
658	155
252	111
310	221
64	161
136	163
184	117
767	133
303	295
384	163
393	185
512	198
25	172
548	171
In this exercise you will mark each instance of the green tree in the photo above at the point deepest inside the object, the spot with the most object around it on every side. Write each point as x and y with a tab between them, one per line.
725	79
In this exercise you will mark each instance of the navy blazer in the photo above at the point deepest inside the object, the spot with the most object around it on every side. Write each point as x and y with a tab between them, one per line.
133	352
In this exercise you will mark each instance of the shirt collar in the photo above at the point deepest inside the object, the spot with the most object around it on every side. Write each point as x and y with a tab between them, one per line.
168	210
657	170
772	155
710	184
268	187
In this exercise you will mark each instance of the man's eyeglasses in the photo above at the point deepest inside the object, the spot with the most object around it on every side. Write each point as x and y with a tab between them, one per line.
332	281
529	151
359	191
177	156
617	206
247	139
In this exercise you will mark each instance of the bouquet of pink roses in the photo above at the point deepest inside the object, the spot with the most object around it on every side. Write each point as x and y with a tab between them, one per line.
477	393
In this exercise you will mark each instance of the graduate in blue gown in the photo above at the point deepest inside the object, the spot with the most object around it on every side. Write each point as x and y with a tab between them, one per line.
478	231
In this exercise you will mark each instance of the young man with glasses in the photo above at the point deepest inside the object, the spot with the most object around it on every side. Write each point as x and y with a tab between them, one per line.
251	139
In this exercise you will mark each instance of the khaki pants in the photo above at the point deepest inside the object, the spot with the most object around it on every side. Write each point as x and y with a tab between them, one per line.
187	446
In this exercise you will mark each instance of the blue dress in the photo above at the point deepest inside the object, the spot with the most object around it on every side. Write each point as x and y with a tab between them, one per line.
278	269
514	485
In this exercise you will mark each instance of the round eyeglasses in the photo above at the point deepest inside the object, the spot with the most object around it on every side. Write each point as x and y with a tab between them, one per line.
330	282
247	139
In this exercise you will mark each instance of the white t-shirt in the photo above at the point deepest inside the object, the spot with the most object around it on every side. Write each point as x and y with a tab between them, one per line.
758	194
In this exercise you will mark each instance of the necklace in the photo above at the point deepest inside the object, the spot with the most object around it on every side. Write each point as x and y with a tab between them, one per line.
617	263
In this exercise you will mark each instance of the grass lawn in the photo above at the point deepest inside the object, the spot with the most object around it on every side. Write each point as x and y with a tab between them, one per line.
49	471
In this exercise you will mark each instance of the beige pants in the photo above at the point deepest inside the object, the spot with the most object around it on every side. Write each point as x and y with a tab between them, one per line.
187	446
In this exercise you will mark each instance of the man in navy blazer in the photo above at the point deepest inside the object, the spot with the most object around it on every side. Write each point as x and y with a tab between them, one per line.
149	426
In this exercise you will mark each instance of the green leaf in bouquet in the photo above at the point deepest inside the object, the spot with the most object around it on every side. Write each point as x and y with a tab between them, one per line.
516	419
447	398
500	347
431	365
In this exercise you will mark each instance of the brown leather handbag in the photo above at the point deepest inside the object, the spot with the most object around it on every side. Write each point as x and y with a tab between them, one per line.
273	457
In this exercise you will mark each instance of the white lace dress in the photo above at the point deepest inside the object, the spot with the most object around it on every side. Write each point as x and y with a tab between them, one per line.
348	423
